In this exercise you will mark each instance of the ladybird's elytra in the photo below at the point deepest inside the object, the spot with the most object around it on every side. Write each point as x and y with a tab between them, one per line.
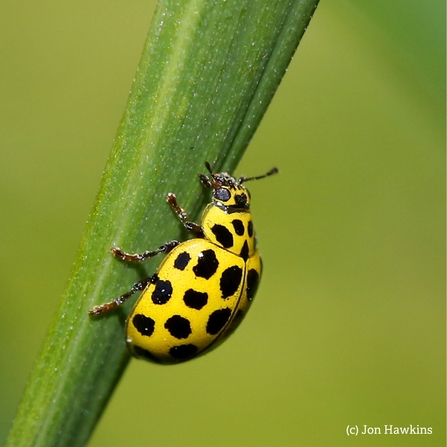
204	286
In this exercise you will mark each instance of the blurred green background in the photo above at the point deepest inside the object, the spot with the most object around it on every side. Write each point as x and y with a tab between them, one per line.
348	326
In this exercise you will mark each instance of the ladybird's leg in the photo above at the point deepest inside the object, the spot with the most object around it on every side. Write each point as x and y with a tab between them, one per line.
195	229
138	257
138	286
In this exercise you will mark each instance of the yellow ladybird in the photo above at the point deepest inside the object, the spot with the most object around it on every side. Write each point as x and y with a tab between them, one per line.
204	286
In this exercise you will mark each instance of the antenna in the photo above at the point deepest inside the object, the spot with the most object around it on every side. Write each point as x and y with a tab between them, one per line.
267	174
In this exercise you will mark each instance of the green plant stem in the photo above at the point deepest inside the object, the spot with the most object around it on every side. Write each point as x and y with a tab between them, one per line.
207	74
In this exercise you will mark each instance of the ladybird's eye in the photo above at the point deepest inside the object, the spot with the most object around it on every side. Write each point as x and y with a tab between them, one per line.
222	194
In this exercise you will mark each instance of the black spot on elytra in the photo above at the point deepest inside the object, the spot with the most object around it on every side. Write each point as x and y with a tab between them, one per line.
230	280
182	261
217	320
183	352
194	299
144	325
238	226
252	283
223	235
162	292
250	228
206	265
244	251
178	326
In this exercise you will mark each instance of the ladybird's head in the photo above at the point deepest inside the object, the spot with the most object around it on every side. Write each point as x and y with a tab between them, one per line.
229	193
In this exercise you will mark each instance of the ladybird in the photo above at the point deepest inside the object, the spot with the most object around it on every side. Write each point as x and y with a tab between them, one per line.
204	286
